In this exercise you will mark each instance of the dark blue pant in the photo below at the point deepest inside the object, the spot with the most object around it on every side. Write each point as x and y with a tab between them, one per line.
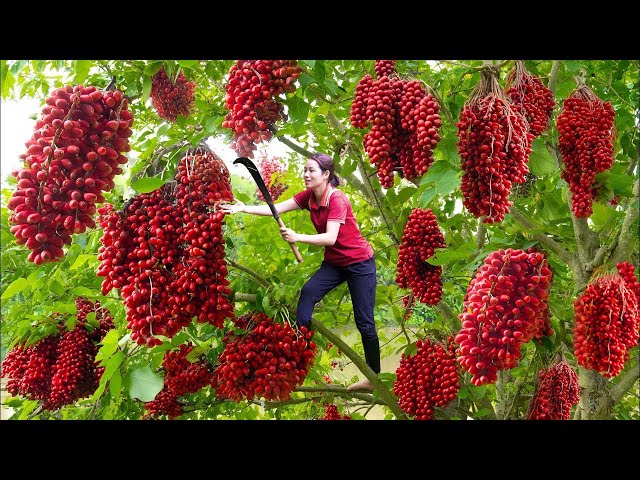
361	279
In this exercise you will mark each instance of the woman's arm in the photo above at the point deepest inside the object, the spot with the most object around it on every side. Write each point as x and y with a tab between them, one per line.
263	210
326	239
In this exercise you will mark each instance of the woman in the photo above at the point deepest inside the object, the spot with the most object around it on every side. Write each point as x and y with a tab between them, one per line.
347	255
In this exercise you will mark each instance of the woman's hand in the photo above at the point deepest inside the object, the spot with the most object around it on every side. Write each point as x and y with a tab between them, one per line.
231	208
289	235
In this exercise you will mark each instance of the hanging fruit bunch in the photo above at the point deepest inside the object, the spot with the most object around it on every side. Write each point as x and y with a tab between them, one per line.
607	321
165	251
530	98
494	144
421	237
252	90
181	378
60	368
404	120
585	129
74	154
557	391
506	305
331	413
172	98
272	171
428	379
270	360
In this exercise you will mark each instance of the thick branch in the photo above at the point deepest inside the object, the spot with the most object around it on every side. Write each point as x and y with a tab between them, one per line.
335	123
627	380
549	242
261	280
289	401
553	77
341	391
622	251
295	147
244	297
444	309
387	396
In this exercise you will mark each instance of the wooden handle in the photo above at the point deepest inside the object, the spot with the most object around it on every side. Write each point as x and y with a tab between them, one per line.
296	252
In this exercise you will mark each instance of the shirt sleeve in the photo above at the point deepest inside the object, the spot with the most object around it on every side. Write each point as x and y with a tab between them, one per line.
337	209
302	199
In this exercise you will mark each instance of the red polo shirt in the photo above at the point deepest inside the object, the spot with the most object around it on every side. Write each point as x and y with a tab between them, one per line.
351	246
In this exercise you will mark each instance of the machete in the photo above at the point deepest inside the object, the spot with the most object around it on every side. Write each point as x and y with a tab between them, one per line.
267	196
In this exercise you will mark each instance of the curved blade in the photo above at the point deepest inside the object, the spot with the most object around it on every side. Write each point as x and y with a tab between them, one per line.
253	170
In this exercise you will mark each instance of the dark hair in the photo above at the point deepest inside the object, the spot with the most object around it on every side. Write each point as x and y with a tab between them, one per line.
326	163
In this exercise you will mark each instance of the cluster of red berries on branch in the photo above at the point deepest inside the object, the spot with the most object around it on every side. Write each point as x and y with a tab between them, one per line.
494	144
585	137
606	321
165	251
181	378
427	379
404	120
172	98
506	305
331	413
530	97
61	368
557	391
72	157
252	90
268	361
421	237
272	171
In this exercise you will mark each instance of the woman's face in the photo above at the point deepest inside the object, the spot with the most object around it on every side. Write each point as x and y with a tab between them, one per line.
313	175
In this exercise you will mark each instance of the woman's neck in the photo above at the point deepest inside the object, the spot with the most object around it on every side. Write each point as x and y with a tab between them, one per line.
318	192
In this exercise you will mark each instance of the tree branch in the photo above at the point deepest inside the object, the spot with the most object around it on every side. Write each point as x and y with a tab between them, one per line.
261	280
341	391
622	252
387	396
553	77
482	233
289	401
627	380
549	242
445	310
295	147
244	297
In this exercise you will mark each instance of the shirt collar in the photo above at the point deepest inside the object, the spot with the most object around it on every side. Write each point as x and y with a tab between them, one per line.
324	201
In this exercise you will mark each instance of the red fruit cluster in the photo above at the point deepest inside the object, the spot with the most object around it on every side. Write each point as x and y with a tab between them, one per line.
272	172
404	121
268	361
427	379
181	377
331	413
73	155
530	97
505	306
606	322
585	129
627	272
59	369
165	252
494	144
421	236
253	108
557	391
169	98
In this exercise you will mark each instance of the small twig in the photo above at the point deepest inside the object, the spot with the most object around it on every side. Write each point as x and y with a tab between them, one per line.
261	280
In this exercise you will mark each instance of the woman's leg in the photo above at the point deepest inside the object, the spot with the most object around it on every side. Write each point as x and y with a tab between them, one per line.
361	278
322	282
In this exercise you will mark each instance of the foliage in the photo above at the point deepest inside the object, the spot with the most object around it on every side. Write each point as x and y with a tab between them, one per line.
318	120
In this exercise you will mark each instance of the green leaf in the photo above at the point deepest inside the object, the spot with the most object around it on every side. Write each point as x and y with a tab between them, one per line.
541	162
146	87
447	183
620	184
115	384
82	68
15	287
445	255
112	365
311	63
298	112
147	184
82	292
405	194
483	412
410	349
80	261
319	72
194	355
145	384
91	319
187	63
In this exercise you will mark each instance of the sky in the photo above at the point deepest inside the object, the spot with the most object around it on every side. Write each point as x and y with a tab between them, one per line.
17	128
